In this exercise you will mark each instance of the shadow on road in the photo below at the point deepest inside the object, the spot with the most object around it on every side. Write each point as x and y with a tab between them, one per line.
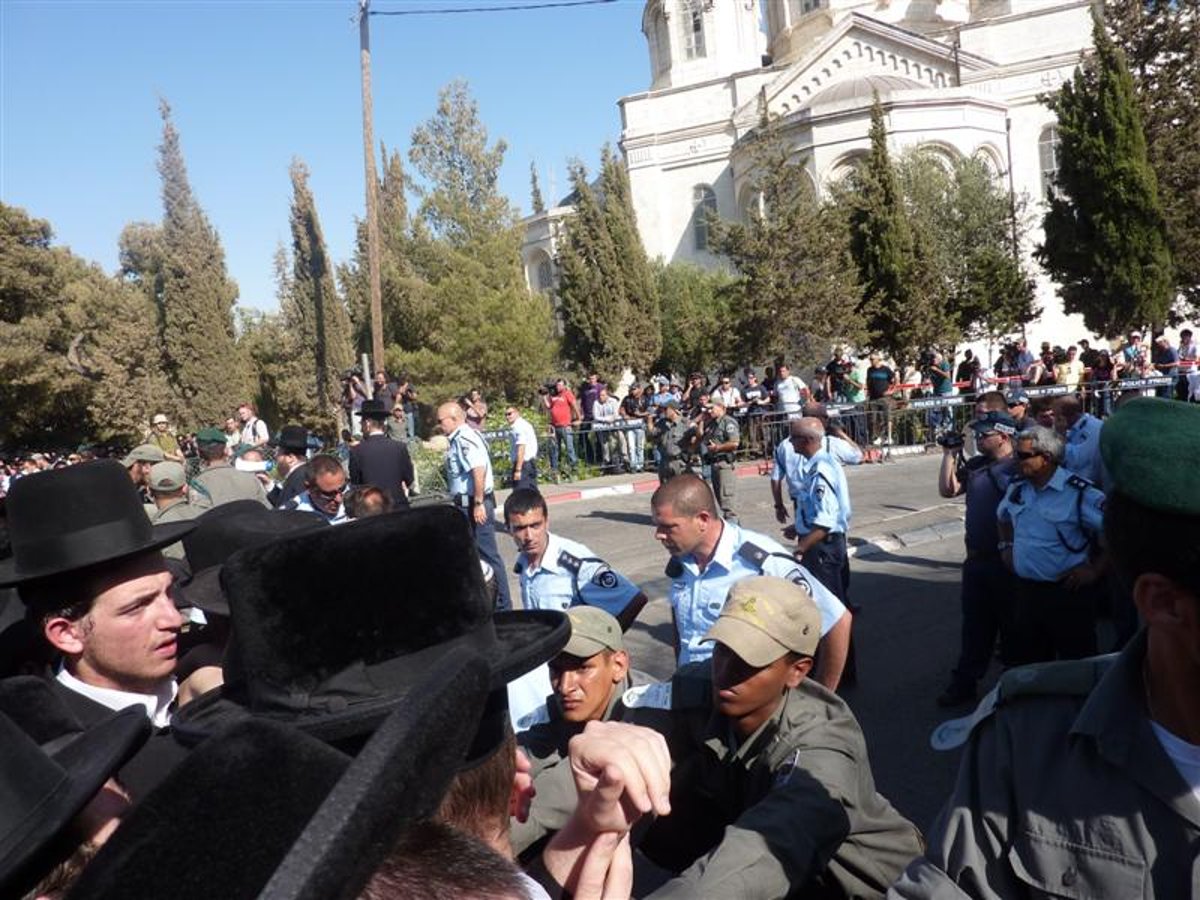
627	517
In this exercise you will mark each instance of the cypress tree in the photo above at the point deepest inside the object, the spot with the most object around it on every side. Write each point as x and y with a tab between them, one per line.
1105	235
591	292
196	297
324	325
636	275
535	190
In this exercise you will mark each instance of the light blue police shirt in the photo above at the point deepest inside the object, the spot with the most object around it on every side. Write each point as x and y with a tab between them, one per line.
468	450
1051	525
790	465
553	585
824	500
1082	452
697	597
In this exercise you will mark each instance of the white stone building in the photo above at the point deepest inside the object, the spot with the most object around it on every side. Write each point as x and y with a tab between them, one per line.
961	77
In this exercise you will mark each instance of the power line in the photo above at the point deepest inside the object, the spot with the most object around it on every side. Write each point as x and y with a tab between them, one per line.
516	7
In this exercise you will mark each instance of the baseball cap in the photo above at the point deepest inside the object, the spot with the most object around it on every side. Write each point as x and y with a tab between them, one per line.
210	436
150	453
1018	398
592	631
764	618
167	476
159	419
994	420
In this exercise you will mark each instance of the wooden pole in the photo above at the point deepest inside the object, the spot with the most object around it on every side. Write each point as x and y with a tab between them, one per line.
372	179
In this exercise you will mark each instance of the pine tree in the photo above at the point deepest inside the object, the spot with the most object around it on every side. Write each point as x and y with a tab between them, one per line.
697	315
637	276
903	293
1161	41
597	322
196	297
1105	238
324	325
535	191
794	279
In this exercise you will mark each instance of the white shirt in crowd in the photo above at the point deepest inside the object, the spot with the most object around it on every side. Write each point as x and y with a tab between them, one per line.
255	431
788	392
523	435
157	705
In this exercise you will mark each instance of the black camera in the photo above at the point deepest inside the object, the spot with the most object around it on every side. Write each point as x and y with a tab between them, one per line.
951	440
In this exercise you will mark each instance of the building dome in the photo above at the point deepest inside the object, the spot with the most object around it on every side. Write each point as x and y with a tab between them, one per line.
863	88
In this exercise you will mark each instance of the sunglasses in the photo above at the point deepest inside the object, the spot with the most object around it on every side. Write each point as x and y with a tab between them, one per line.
1026	454
331	495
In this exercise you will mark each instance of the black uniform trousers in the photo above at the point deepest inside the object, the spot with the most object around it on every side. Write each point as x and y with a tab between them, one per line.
987	611
1051	622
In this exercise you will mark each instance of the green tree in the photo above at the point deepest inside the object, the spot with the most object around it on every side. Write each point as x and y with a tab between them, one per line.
596	313
315	311
535	191
1161	41
697	317
1105	237
794	278
636	274
196	297
484	327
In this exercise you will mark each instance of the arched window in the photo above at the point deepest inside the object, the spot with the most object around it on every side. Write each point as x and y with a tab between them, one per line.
1048	150
704	201
545	277
691	20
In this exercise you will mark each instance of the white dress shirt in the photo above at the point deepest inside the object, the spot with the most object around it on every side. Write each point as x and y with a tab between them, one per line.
157	705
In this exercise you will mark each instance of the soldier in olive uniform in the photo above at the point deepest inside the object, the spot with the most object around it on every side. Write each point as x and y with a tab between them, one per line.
219	482
719	443
671	430
168	487
1082	778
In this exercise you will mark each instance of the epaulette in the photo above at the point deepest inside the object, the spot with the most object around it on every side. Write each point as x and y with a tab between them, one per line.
1079	482
753	555
674	568
569	562
1063	678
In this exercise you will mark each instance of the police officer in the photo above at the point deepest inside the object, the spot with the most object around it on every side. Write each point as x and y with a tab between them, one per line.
471	486
1081	432
671	430
1079	778
1018	406
709	555
987	585
771	793
557	573
1048	521
823	510
718	444
218	482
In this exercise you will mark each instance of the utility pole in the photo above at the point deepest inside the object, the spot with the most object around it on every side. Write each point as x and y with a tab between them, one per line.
364	40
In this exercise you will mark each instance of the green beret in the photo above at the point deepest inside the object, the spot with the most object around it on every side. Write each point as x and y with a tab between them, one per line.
210	436
1150	449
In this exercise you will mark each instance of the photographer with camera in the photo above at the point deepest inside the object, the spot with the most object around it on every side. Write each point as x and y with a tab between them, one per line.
354	392
987	584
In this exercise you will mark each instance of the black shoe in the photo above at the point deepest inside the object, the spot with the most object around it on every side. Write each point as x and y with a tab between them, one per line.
957	694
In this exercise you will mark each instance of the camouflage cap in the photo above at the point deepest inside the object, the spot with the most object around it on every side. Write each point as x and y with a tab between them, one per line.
1149	450
592	631
167	476
764	618
150	453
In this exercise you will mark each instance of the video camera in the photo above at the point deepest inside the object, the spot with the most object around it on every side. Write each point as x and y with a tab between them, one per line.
951	440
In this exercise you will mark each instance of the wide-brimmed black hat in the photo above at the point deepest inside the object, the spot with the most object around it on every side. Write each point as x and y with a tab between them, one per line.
291	437
331	628
222	531
374	409
50	768
67	519
268	811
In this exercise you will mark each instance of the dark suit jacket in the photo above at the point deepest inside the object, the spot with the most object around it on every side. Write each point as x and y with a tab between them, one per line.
292	486
385	463
149	766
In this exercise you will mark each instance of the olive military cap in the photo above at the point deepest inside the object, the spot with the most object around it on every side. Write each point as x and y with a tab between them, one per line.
765	618
1149	450
592	631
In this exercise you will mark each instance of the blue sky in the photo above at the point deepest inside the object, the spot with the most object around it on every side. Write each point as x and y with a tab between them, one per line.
253	84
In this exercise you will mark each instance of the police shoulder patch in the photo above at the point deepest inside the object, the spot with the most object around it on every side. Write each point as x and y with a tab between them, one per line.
605	578
648	696
539	716
797	577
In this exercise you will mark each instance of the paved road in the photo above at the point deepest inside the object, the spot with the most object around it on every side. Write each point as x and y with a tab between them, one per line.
907	632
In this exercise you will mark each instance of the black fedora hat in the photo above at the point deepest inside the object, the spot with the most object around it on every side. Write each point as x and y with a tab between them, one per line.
291	437
67	519
268	811
374	409
334	654
222	531
49	770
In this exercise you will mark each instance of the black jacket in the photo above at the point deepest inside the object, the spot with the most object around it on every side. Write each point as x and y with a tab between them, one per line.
385	463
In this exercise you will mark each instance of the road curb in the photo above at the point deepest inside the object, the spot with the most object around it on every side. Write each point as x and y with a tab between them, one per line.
890	543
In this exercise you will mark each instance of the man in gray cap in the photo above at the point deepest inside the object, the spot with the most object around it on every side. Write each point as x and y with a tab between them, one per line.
1080	778
168	486
137	463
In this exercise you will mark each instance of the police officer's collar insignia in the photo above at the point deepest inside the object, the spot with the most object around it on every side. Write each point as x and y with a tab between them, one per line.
954	732
648	696
518	568
674	568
